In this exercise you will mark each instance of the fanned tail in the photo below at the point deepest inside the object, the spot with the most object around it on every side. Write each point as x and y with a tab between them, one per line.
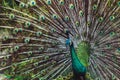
32	38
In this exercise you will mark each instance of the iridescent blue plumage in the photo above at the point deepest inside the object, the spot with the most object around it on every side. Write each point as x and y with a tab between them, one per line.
78	68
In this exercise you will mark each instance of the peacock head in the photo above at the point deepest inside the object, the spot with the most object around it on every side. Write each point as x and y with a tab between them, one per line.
67	37
80	45
68	41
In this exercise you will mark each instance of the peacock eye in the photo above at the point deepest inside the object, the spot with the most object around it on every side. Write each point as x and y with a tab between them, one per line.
97	78
113	77
21	5
6	57
43	72
27	24
108	46
53	30
46	57
88	74
38	34
32	3
3	63
49	2
77	23
118	3
42	17
61	2
112	34
65	78
67	18
112	18
36	64
29	53
20	29
27	40
54	16
94	7
81	13
100	19
5	38
118	50
70	74
11	16
15	31
41	48
16	48
88	23
71	6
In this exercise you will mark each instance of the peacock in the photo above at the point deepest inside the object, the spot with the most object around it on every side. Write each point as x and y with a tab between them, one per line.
60	39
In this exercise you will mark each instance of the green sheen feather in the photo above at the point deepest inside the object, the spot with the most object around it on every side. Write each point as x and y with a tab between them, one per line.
76	63
83	52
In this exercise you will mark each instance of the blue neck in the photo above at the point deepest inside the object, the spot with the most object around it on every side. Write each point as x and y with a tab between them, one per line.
76	64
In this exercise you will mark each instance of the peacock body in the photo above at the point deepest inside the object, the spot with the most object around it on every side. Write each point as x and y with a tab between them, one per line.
60	39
